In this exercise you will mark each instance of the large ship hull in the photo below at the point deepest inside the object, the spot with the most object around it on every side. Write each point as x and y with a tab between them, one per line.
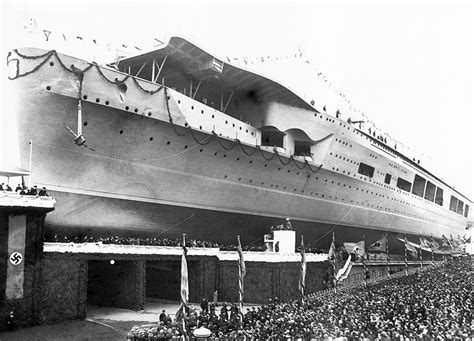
143	172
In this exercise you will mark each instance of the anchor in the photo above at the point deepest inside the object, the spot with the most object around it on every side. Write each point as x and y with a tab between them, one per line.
79	138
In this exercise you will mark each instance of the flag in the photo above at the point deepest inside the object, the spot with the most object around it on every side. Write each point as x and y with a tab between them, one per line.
411	249
332	252
356	248
342	271
242	272
445	244
184	292
380	245
425	243
301	284
434	244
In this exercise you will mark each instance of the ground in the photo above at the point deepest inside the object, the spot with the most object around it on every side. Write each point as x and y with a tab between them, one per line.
101	324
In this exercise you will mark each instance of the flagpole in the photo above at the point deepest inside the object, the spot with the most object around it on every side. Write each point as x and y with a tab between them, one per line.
432	250
364	263
406	261
334	264
301	284
184	290
388	255
421	253
241	278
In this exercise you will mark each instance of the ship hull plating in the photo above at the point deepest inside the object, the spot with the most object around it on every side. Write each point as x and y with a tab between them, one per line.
140	173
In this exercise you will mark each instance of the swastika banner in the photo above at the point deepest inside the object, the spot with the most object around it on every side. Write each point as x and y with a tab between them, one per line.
16	252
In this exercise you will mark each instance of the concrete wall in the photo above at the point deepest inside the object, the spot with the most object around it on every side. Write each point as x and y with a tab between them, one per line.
62	291
268	280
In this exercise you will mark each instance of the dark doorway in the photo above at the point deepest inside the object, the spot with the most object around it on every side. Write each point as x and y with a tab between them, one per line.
163	279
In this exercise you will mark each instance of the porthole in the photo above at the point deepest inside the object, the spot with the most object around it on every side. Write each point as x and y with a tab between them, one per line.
225	155
200	127
226	122
48	88
121	131
186	124
168	142
265	165
85	123
200	150
212	116
185	147
252	133
192	107
149	114
179	101
215	153
250	161
107	102
225	176
126	108
51	64
136	110
97	100
202	111
240	179
85	96
151	138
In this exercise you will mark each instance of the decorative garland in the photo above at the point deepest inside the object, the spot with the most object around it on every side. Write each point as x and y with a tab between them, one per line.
80	75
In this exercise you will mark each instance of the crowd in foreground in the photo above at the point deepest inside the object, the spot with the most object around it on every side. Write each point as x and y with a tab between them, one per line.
435	304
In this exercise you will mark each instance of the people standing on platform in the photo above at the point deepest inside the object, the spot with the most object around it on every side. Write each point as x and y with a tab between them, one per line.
18	188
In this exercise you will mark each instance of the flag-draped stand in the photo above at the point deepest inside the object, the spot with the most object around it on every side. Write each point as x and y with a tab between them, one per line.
242	272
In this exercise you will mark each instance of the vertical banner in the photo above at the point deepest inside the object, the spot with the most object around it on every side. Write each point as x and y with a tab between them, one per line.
16	256
301	283
242	273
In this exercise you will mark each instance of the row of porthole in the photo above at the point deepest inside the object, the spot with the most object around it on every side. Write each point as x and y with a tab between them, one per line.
127	108
343	142
343	158
213	116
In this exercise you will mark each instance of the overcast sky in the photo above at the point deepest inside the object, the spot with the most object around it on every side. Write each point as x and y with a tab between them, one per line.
406	64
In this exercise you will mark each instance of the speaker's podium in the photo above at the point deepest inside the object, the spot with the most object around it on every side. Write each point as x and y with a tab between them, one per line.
282	239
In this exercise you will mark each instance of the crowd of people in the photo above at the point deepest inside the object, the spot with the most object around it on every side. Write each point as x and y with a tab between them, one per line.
155	241
434	304
24	190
